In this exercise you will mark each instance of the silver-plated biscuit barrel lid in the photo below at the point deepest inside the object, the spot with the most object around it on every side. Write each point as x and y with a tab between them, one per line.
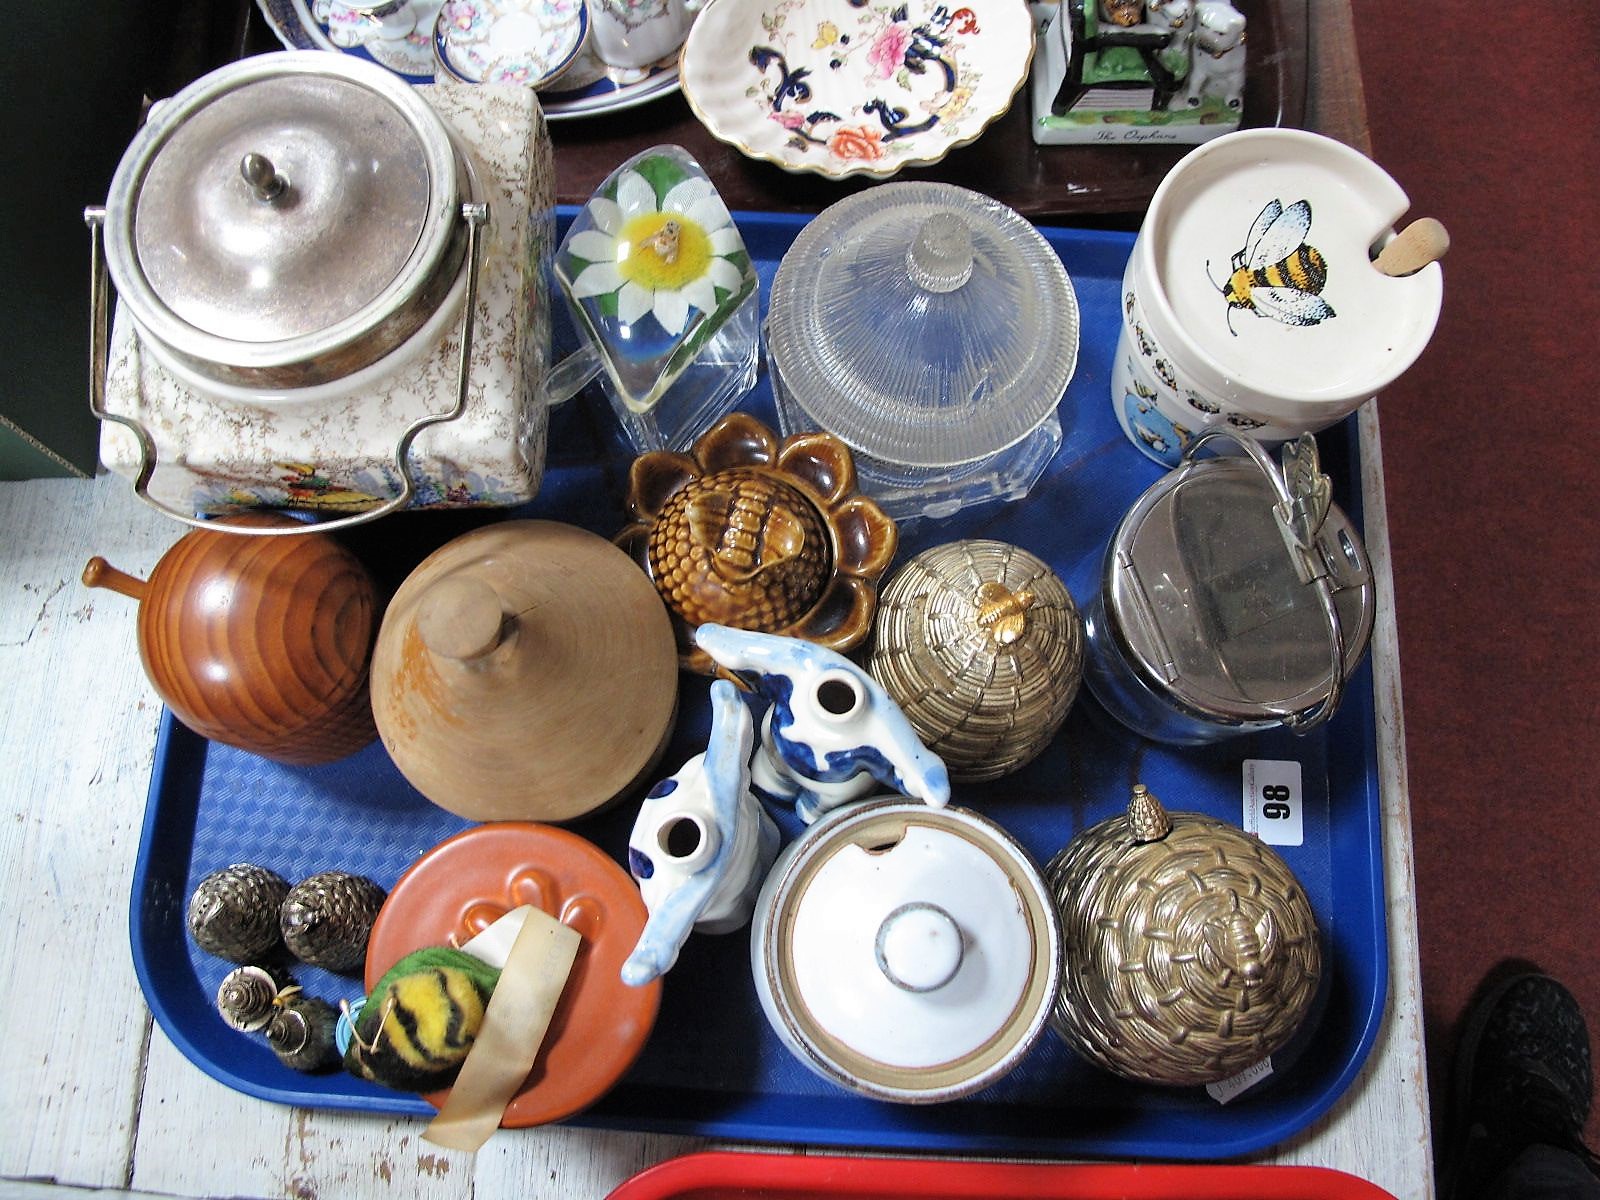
287	219
1231	590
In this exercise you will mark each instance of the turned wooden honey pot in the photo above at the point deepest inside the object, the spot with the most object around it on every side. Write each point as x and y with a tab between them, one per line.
525	671
263	643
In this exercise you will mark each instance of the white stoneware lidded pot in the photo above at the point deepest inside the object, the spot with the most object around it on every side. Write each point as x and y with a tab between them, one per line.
1253	299
905	952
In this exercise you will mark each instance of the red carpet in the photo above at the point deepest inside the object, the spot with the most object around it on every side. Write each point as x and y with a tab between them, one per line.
1490	119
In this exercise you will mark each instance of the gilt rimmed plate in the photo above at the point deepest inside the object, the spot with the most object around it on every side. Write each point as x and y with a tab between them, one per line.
844	88
510	41
568	96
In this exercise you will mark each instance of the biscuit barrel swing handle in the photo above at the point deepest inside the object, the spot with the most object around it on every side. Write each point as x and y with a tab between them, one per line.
476	215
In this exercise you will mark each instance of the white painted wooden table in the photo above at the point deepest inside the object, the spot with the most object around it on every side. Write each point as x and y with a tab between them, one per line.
92	1094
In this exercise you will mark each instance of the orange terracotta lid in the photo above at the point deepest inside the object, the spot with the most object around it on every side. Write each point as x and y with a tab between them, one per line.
464	884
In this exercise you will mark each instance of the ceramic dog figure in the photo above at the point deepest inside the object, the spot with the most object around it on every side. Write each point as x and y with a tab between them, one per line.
1219	55
701	845
832	733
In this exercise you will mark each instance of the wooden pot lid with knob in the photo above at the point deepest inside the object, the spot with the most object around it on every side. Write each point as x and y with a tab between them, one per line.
525	671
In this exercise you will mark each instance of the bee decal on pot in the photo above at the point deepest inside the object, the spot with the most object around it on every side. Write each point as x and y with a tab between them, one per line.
1278	274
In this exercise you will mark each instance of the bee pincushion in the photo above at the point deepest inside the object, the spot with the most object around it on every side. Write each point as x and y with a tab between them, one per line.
1190	950
414	1030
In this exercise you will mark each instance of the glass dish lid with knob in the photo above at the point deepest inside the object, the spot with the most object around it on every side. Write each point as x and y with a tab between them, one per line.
934	331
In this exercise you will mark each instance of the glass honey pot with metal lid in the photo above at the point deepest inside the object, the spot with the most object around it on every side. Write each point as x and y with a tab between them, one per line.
1234	597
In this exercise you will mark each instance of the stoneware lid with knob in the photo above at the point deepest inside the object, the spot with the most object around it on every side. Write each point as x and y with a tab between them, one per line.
525	671
906	952
981	646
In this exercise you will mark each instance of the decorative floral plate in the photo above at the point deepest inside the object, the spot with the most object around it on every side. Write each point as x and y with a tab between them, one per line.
850	87
577	92
510	41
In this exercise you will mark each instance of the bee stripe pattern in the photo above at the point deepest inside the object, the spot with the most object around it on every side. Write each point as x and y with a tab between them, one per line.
432	1011
1305	270
421	1027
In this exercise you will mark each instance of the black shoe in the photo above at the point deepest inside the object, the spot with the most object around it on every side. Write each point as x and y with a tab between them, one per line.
1521	1076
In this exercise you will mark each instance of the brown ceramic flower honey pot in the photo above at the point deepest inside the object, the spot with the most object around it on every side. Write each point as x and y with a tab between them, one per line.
525	671
759	533
263	643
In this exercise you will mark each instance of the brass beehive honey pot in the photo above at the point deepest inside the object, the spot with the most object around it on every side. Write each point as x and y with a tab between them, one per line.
1190	950
981	645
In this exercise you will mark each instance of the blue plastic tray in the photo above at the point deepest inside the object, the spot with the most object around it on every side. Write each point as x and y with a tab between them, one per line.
712	1066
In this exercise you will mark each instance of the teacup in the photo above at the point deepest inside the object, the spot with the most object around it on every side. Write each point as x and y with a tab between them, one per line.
363	20
636	33
510	41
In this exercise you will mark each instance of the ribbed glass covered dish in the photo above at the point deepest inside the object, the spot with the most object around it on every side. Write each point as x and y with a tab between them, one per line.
933	330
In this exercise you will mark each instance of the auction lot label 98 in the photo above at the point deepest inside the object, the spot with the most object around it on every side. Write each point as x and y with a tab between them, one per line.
1273	801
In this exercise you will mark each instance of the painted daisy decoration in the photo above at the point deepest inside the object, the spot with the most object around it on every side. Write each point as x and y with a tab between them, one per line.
652	267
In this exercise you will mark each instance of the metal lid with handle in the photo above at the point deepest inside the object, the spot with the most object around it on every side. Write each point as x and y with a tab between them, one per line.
286	220
1239	591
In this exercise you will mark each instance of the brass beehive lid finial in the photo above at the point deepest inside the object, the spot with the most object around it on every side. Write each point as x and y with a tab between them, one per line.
1147	819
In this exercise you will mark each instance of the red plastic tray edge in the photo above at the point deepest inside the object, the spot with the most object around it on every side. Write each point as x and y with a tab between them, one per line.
723	1175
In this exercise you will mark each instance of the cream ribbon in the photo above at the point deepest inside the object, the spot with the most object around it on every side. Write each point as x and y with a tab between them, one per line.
514	1027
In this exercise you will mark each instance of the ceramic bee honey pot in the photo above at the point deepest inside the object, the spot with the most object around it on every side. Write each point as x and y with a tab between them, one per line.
260	643
981	646
759	532
1258	297
1190	951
